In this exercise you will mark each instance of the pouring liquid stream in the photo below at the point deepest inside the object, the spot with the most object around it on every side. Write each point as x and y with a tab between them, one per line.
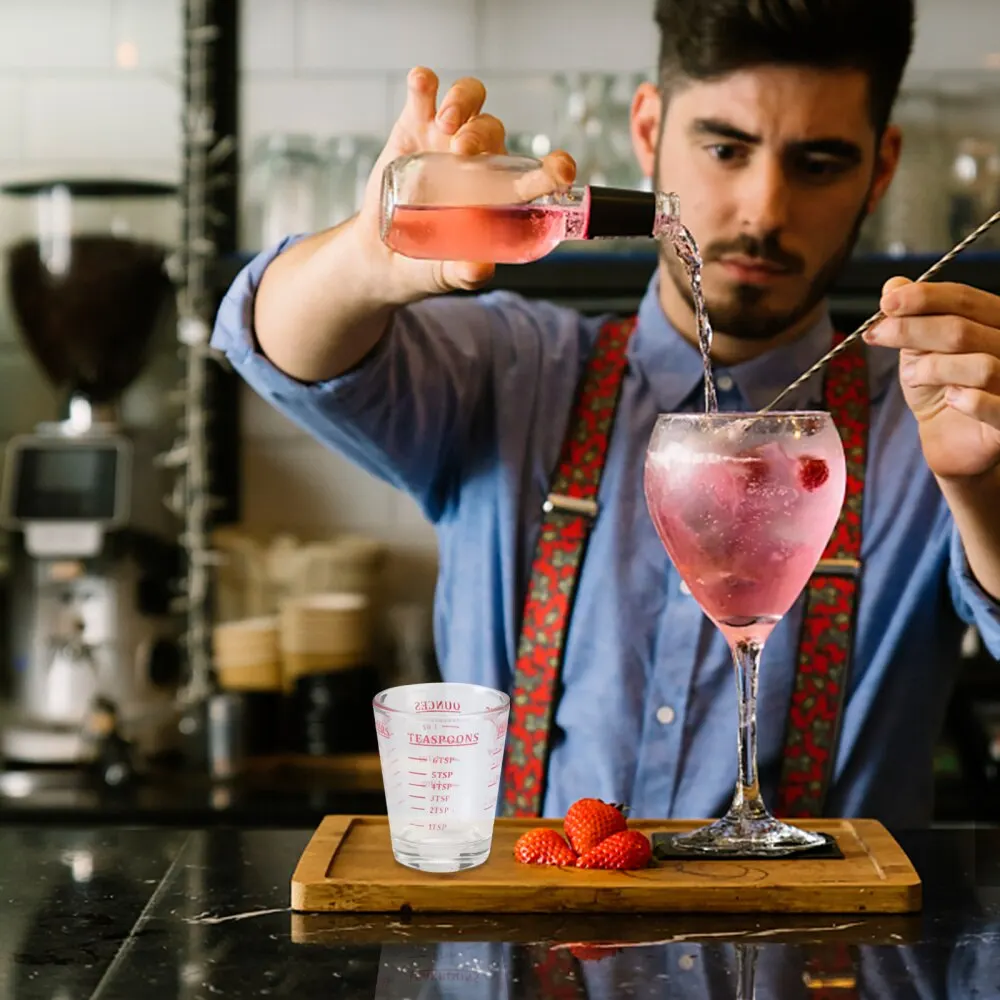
686	248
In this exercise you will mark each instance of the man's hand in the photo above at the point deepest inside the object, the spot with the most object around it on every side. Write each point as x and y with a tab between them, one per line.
949	366
324	302
948	336
458	125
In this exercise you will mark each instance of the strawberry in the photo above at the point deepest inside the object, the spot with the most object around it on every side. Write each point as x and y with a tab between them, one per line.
589	821
544	846
622	851
813	473
756	472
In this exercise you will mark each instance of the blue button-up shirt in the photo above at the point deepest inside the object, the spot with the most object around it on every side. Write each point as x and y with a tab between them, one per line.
464	403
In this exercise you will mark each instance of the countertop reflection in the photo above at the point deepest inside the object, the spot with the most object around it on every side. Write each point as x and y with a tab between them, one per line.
154	913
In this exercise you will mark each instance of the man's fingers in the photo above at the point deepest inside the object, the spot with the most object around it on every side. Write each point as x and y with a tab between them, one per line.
463	101
421	96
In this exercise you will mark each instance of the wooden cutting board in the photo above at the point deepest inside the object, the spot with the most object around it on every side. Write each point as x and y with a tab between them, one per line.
348	866
332	930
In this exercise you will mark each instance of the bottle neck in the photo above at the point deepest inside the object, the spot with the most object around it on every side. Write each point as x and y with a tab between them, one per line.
622	212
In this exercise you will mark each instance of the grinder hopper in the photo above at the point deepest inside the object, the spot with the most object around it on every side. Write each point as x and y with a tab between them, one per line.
86	278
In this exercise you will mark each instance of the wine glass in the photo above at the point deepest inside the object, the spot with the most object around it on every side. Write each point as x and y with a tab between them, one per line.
745	504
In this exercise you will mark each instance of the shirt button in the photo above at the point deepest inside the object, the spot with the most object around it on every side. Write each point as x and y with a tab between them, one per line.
724	382
665	714
685	589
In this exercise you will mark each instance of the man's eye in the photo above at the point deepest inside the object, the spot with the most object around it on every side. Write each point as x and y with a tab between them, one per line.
819	165
727	152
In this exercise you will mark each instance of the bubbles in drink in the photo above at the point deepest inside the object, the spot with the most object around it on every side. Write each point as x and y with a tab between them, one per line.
686	248
744	520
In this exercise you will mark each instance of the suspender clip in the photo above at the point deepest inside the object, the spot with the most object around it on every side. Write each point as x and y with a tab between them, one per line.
570	505
838	567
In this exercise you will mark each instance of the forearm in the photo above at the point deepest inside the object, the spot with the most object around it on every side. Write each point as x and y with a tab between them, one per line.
324	303
975	506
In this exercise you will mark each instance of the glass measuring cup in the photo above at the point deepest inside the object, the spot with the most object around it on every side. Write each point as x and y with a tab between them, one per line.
441	749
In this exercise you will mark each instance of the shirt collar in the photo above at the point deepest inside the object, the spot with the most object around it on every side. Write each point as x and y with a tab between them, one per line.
673	367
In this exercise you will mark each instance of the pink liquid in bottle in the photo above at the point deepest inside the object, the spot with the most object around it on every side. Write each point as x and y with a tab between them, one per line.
501	234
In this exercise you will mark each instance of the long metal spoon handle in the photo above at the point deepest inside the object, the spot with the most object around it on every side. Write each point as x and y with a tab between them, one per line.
879	316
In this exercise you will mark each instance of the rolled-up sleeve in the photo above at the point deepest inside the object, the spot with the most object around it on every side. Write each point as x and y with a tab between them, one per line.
973	604
404	413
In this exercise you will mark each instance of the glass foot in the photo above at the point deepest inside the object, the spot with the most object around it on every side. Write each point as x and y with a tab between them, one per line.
743	836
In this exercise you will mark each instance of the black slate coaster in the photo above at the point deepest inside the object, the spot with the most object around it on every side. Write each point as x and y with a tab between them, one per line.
663	851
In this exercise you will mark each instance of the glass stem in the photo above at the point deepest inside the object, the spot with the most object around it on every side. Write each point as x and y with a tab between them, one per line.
746	971
746	658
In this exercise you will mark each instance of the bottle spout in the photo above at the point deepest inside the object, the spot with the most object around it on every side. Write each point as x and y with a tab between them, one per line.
620	212
626	212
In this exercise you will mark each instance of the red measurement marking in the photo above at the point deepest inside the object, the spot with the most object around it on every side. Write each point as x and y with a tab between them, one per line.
440	705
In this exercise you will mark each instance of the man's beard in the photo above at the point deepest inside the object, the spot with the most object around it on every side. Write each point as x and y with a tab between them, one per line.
742	315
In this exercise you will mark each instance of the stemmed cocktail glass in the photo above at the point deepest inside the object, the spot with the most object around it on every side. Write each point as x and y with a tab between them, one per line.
745	505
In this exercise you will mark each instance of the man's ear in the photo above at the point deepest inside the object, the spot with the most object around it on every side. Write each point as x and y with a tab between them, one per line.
886	161
644	122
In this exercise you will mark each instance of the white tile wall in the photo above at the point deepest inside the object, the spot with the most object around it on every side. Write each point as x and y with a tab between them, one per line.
267	41
149	30
55	36
955	36
319	106
12	103
104	119
384	35
92	85
568	35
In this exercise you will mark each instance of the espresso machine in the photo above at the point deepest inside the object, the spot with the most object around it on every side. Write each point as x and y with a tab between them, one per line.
93	549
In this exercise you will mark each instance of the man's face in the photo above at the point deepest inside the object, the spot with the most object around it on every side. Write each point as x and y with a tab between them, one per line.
776	169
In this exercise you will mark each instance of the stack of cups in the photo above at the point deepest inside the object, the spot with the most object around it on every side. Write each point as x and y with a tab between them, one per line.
329	674
247	655
248	666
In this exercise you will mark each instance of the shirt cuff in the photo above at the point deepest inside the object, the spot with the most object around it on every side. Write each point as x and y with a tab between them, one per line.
973	604
234	336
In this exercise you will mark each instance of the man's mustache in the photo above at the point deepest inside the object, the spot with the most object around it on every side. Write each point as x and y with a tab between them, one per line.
767	250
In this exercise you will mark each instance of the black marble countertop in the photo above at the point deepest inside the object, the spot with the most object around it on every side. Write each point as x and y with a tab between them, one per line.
145	914
294	792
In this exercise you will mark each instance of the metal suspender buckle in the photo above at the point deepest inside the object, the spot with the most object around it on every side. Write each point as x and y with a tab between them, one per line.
570	505
838	567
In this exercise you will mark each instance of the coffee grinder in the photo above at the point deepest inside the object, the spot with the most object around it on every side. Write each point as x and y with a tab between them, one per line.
93	548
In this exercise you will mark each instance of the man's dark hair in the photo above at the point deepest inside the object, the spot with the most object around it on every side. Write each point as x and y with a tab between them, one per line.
704	39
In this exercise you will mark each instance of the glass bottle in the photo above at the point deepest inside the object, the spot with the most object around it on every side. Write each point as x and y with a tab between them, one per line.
502	209
284	190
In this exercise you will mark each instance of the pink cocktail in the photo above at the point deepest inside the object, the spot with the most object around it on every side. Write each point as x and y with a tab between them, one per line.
745	505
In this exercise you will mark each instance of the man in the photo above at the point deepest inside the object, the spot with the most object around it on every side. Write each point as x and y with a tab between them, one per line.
770	123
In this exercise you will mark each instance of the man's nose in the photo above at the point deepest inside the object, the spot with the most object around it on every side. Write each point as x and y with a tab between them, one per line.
764	201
